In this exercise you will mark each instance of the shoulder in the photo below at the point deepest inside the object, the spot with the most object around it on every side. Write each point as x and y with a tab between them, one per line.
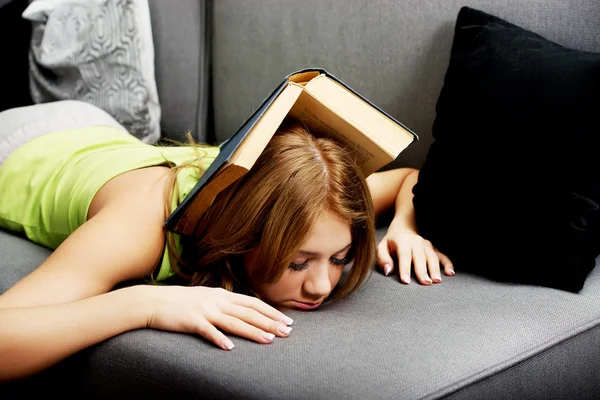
145	188
122	240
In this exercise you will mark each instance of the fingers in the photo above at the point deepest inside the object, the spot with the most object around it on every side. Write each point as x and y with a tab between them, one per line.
384	258
448	266
209	332
243	329
258	320
433	262
404	261
420	263
425	259
261	307
241	315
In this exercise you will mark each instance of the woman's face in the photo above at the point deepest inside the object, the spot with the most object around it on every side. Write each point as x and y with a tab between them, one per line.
313	271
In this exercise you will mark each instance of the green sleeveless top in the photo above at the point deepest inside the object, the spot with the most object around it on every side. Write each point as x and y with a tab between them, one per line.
47	184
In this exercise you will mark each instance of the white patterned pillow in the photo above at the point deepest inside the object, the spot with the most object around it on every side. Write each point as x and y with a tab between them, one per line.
100	52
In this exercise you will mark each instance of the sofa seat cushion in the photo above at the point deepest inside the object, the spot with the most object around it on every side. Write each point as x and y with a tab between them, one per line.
18	257
389	340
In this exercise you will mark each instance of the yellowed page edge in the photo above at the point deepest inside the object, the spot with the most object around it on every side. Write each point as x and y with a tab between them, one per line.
323	88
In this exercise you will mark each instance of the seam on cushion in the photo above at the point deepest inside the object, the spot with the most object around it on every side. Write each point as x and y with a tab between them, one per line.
507	364
202	71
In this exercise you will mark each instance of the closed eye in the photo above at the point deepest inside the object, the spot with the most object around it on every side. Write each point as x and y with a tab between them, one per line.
299	267
333	260
340	261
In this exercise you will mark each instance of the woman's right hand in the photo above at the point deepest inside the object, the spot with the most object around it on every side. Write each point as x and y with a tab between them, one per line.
209	311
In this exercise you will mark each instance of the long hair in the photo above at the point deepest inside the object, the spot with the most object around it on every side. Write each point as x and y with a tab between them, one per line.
298	176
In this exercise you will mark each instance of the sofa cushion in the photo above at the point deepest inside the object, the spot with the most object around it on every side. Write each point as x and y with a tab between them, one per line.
98	52
461	338
511	186
18	257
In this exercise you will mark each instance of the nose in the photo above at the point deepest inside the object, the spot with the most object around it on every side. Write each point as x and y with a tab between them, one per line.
317	284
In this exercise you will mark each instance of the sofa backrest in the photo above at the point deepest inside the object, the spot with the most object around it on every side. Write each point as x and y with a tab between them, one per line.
181	32
393	52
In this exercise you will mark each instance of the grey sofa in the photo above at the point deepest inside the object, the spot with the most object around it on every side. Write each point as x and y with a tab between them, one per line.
466	338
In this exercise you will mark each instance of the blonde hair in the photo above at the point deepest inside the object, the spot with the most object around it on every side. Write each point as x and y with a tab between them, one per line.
298	177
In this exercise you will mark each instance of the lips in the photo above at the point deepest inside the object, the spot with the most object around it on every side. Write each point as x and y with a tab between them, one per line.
305	306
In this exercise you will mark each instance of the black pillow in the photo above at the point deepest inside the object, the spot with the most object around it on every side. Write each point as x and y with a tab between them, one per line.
510	188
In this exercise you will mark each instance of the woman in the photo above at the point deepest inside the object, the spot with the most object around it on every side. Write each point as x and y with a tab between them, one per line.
278	239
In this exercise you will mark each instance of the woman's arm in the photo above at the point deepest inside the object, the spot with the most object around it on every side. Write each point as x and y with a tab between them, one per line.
63	305
66	304
34	338
393	188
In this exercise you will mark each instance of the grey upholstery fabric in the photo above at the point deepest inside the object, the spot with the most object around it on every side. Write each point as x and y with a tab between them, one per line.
569	370
181	42
393	52
19	257
388	340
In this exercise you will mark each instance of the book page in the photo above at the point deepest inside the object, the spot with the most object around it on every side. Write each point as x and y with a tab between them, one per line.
304	77
317	117
256	140
389	134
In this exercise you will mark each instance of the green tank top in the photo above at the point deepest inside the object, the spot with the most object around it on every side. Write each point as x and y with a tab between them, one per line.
47	185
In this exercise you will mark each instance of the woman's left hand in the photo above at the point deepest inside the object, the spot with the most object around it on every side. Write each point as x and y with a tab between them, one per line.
410	248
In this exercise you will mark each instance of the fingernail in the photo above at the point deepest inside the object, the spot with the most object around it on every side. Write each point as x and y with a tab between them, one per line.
387	268
437	280
227	344
452	272
287	320
406	279
285	330
268	336
428	280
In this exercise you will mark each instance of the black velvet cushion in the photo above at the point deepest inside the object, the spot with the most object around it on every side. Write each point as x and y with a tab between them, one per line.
510	188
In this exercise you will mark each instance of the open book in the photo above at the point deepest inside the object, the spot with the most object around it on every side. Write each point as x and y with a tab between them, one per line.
325	105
